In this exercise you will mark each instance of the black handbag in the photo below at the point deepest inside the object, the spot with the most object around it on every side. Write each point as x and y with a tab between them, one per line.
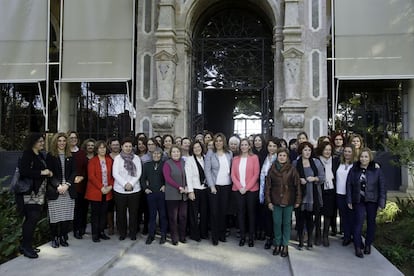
20	185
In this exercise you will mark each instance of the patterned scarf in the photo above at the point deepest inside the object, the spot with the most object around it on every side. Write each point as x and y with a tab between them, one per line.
128	163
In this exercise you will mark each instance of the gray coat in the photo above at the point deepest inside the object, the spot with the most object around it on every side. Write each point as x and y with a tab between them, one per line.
172	193
212	166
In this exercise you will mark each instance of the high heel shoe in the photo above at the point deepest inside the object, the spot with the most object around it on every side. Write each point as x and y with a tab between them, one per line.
358	253
251	243
268	243
284	252
103	236
276	251
63	242
367	249
29	253
242	242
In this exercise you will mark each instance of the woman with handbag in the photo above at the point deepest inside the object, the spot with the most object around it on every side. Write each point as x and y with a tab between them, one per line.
61	192
33	167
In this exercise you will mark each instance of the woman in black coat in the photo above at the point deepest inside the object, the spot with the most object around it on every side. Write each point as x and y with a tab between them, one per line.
61	190
32	166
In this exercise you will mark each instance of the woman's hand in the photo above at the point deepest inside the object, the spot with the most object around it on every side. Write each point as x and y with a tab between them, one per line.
350	206
62	188
148	191
128	187
270	206
191	196
78	179
303	181
296	206
46	172
213	190
162	189
242	191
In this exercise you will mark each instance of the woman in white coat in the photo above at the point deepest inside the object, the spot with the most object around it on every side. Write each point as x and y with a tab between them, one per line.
126	171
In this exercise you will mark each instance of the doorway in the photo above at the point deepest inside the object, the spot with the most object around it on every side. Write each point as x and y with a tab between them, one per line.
232	68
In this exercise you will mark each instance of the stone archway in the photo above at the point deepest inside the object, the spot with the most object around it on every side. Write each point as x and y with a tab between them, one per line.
232	62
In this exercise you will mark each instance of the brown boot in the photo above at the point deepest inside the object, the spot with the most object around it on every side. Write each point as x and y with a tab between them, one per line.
110	221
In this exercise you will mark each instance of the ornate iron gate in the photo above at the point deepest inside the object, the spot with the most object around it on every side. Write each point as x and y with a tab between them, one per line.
232	51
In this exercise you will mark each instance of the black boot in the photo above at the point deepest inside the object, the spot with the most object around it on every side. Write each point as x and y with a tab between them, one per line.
318	236
300	236
63	242
268	243
325	234
55	242
163	239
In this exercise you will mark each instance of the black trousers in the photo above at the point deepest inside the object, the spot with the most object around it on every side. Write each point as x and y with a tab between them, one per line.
198	214
143	211
124	203
218	210
304	217
32	214
264	220
98	216
81	213
246	202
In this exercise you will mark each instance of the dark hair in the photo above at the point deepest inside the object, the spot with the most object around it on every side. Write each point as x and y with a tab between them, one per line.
98	144
292	141
203	148
127	140
152	139
321	147
32	139
144	142
302	133
140	134
285	150
86	141
303	145
282	140
261	138
112	139
165	136
185	138
223	137
274	140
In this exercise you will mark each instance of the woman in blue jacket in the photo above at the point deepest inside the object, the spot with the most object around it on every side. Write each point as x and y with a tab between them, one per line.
365	191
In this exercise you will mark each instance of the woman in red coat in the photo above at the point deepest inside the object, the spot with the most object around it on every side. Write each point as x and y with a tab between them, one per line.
99	189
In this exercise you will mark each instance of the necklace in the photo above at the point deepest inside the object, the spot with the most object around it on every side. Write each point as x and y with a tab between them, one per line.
155	166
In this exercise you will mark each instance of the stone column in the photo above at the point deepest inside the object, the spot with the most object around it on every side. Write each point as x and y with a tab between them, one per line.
407	184
292	109
278	71
165	110
67	106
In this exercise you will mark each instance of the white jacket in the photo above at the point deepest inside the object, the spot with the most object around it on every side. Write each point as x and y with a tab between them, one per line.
192	175
122	177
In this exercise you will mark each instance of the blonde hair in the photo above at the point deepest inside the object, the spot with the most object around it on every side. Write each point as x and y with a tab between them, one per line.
370	154
53	145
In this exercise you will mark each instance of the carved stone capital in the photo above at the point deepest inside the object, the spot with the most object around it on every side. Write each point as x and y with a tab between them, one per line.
293	116
163	55
163	118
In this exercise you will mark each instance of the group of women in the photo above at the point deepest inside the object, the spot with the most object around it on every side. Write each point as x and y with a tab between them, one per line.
207	181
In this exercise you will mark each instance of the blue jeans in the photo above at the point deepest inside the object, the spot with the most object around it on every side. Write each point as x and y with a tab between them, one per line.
370	210
282	218
346	215
156	203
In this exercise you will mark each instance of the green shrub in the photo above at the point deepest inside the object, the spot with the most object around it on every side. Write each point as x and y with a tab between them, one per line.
389	213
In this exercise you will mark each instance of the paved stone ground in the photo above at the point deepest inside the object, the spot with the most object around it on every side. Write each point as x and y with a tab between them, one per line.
114	257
